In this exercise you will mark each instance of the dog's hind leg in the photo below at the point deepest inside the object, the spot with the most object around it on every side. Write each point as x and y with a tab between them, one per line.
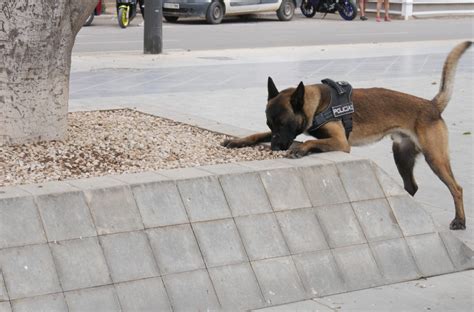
404	153
434	145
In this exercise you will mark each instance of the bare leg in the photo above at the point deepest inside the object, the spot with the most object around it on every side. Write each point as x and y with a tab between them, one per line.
362	10
386	7
379	7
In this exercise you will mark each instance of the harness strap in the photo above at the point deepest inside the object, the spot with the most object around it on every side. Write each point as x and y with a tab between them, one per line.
340	107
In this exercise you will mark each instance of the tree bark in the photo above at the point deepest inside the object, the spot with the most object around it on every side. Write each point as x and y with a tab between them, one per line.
36	40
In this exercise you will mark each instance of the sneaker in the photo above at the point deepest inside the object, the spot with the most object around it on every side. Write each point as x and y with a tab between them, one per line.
364	18
378	19
387	18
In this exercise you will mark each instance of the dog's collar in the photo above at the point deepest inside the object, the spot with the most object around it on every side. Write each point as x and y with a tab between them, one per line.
340	107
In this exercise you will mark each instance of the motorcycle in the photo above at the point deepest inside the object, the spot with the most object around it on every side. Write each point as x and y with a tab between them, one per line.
127	10
347	10
97	11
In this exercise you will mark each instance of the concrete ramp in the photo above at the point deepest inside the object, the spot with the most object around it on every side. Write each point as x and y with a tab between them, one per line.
225	237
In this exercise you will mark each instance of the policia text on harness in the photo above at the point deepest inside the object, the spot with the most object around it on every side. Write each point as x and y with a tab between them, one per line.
340	107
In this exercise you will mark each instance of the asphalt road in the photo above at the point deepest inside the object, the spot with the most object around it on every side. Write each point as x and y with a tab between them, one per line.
266	31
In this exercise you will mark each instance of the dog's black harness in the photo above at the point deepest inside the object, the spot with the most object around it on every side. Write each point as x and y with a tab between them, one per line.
340	107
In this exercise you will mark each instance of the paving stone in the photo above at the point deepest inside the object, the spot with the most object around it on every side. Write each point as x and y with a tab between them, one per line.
5	307
20	223
139	178
129	256
389	185
279	280
411	217
262	236
93	299
357	266
285	189
65	216
266	164
300	306
95	183
29	271
245	194
337	156
356	173
47	188
184	173
143	295
80	263
304	162
220	242
191	291
160	204
12	191
204	199
323	185
3	289
49	303
319	273
377	220
224	169
237	287
430	254
461	255
340	225
175	249
114	210
301	230
395	260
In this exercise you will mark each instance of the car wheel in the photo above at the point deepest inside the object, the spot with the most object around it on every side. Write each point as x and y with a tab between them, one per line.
215	13
171	19
286	10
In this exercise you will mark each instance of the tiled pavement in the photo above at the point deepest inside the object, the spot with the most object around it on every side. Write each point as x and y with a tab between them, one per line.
231	237
225	91
85	258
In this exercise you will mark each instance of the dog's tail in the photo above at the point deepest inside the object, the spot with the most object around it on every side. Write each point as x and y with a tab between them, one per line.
447	80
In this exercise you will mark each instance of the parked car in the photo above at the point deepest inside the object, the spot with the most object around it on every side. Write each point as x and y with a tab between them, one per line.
215	10
97	11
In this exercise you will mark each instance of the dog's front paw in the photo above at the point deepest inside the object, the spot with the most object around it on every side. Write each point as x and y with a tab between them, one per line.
231	143
297	151
458	224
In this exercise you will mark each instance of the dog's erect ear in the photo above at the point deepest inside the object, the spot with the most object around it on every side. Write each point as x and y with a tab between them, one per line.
272	89
297	98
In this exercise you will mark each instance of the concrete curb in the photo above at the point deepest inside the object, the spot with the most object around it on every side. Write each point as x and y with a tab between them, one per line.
234	237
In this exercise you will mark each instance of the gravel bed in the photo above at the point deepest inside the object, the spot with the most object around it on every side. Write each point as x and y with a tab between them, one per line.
119	141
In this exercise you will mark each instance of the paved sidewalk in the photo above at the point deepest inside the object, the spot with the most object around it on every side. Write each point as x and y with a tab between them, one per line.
229	87
452	292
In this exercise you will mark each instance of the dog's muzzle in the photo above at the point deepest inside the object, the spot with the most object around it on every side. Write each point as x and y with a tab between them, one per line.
278	144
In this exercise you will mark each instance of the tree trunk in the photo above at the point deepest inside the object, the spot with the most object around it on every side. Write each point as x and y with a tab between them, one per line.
36	40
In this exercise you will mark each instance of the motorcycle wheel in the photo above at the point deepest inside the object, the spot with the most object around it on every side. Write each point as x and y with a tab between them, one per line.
347	10
122	16
308	9
89	20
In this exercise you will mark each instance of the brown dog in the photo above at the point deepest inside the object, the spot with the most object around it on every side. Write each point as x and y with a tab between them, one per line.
415	124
